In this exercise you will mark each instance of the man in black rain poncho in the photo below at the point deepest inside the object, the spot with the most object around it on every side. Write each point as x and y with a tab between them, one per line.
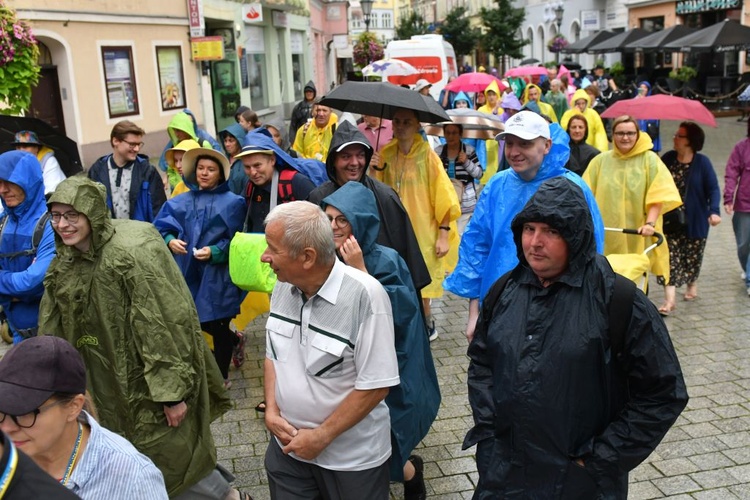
552	417
348	158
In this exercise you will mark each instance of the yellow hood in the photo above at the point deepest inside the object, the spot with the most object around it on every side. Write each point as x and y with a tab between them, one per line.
493	86
580	94
525	97
642	145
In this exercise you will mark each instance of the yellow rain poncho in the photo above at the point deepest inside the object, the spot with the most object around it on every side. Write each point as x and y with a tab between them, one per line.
491	146
624	186
545	108
185	145
487	108
314	142
428	196
597	134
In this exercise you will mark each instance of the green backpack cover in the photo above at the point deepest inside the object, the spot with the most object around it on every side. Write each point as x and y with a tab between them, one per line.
245	267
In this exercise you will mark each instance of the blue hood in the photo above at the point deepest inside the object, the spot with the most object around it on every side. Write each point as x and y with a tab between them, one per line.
462	96
358	205
236	131
260	138
23	169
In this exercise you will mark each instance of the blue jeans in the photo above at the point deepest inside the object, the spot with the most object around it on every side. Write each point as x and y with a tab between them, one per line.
741	226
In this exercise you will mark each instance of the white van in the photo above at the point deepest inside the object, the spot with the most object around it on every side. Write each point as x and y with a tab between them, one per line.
430	54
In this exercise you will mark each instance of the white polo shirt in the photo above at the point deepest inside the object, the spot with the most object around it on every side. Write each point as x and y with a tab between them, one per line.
339	340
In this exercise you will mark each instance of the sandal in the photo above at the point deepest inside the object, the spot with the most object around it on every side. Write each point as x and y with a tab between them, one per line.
666	308
261	407
244	495
691	293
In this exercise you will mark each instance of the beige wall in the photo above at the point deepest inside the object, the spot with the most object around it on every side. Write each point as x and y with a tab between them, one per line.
75	39
635	14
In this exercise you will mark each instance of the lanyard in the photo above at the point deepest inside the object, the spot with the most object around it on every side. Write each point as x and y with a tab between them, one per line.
73	456
10	469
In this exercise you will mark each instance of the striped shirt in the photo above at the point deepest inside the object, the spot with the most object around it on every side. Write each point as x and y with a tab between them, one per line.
111	467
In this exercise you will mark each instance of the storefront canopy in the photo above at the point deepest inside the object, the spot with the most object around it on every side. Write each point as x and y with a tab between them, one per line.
584	43
619	42
720	37
657	40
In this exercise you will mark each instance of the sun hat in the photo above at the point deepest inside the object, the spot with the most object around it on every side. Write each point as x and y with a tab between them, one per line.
422	83
191	158
252	150
527	125
183	146
32	371
26	137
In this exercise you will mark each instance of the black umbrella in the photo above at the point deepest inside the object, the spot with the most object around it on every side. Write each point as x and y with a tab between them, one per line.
720	37
383	100
659	39
66	149
618	42
570	64
584	43
529	61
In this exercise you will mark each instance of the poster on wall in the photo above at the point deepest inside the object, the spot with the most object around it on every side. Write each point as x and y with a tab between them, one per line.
171	77
122	96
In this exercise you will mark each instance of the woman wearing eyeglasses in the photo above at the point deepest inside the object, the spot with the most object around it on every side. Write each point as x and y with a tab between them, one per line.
633	187
42	387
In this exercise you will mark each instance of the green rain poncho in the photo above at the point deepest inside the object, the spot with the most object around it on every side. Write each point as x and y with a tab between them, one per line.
125	306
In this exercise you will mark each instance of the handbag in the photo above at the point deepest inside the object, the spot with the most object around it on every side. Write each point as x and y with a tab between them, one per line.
245	268
675	220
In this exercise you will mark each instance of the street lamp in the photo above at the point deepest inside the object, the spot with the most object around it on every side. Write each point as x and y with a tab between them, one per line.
559	11
366	6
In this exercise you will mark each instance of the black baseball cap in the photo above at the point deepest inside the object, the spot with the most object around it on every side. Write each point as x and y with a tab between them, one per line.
32	371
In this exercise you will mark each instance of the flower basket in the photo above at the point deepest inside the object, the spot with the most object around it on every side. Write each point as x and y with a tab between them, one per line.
367	49
19	66
557	44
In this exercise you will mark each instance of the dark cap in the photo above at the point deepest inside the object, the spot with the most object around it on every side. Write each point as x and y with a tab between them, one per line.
32	371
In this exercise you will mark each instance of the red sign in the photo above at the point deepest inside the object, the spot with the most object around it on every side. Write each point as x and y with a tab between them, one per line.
430	68
195	17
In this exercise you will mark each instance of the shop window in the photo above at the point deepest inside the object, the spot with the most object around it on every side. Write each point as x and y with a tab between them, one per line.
119	77
256	70
171	77
652	24
297	72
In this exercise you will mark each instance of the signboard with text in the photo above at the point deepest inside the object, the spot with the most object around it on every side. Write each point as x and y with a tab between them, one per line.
207	48
195	17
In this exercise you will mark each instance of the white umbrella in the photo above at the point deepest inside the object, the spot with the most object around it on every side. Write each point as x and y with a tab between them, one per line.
389	67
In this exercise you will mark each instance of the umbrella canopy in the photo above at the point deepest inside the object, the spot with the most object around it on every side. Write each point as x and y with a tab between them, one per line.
583	44
389	67
476	125
473	82
720	37
662	107
526	71
658	40
570	64
383	100
619	42
66	149
530	61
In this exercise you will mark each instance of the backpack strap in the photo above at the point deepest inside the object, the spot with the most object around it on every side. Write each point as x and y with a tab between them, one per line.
620	309
36	237
285	185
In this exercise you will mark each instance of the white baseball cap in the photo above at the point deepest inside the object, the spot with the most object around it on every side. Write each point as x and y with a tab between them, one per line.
527	125
422	83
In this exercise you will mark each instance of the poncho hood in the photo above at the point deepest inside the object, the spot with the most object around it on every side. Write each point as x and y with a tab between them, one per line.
358	205
89	198
346	132
260	139
278	124
580	94
560	204
642	145
494	87
182	121
576	112
236	131
510	101
23	169
310	86
525	98
462	96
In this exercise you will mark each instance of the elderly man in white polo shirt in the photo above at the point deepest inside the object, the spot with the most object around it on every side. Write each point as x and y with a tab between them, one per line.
330	359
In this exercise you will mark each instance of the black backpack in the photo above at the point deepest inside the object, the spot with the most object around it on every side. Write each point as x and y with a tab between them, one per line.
41	224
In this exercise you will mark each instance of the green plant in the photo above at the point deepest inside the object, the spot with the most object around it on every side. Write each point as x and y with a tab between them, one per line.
367	49
19	66
683	73
617	69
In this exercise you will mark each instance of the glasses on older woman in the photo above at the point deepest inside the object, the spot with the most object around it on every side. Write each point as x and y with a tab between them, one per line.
340	221
28	420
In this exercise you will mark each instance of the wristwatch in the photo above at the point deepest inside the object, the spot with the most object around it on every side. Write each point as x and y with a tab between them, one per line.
652	224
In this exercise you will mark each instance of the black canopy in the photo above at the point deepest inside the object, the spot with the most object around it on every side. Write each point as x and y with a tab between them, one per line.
66	149
720	37
657	40
618	42
584	43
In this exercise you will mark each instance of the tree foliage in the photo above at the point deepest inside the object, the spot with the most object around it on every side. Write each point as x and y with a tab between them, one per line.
501	28
413	24
19	68
457	30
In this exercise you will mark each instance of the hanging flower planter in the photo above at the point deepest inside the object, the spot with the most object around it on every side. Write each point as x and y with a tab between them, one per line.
367	49
19	66
557	44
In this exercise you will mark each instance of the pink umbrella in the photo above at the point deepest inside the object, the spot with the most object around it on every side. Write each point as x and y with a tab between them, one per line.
473	82
526	71
662	107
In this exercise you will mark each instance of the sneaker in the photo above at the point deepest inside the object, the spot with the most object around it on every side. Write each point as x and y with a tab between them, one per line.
433	334
227	384
744	275
238	352
414	489
748	291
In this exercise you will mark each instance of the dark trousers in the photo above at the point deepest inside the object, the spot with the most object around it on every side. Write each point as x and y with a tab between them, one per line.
224	340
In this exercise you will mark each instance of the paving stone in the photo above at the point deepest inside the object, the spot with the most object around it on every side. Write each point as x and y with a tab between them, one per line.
717	494
714	478
644	490
675	485
710	461
675	467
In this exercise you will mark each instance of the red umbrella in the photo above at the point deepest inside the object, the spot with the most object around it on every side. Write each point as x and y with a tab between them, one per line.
473	82
526	71
662	107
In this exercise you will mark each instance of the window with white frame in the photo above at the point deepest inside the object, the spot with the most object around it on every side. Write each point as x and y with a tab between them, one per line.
386	20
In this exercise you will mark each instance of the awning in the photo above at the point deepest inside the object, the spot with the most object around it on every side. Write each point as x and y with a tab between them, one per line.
584	43
720	37
618	42
657	40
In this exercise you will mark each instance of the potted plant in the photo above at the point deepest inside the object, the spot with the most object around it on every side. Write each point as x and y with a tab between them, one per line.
19	66
557	44
367	49
684	74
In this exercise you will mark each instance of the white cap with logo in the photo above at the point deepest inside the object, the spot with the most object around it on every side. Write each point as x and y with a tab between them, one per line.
527	125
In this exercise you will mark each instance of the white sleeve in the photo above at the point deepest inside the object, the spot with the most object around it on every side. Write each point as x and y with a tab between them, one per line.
52	174
375	352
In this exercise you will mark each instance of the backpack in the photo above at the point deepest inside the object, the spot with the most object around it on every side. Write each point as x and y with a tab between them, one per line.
619	310
36	237
285	185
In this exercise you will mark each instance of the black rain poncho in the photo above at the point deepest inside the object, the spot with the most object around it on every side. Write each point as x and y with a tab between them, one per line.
542	384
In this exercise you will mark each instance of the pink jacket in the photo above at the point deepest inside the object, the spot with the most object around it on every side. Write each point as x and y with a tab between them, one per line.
737	177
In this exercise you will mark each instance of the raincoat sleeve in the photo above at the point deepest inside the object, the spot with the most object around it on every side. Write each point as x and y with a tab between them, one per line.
733	170
158	194
661	188
168	223
597	132
27	284
596	216
657	396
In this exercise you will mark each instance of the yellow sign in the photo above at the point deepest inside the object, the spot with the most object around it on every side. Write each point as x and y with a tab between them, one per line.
207	48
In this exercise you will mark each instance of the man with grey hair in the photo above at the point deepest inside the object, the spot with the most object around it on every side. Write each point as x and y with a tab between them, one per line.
330	359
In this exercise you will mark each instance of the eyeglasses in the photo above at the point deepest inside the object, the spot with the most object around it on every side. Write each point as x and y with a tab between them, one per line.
625	134
678	136
70	216
134	145
341	221
28	420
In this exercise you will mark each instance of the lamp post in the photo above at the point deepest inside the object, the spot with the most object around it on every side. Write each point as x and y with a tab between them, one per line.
559	11
366	6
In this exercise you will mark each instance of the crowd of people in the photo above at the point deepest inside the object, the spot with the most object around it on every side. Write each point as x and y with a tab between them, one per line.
116	286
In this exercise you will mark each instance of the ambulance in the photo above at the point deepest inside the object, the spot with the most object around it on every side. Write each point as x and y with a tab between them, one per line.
430	54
